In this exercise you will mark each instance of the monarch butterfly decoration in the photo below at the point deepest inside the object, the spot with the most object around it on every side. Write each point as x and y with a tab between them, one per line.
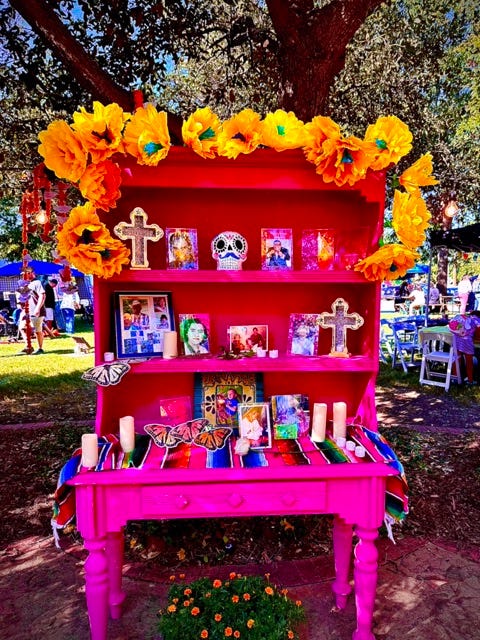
200	432
107	374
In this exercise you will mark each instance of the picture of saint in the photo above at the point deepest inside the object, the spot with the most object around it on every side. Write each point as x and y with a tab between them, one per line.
182	249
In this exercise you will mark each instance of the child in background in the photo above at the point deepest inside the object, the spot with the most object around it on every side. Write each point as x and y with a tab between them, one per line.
463	326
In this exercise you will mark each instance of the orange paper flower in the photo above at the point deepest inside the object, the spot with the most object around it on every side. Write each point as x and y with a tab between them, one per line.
318	131
391	140
200	132
390	260
410	218
62	151
101	131
282	130
418	175
240	134
345	161
146	136
100	184
87	244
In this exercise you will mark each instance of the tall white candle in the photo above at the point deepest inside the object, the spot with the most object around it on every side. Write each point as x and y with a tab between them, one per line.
339	419
319	421
89	450
127	433
170	344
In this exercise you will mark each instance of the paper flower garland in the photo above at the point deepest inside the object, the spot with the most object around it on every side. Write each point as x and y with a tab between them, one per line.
81	152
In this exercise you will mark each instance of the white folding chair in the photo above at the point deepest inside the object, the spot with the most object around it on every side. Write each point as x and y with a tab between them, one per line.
386	342
439	355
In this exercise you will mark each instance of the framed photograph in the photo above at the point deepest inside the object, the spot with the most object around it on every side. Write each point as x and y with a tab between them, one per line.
194	333
141	318
254	424
182	248
318	249
217	396
276	247
248	337
303	332
290	416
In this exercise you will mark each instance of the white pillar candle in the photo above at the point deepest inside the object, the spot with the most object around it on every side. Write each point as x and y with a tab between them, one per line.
89	450
127	433
339	419
170	344
108	356
273	353
319	421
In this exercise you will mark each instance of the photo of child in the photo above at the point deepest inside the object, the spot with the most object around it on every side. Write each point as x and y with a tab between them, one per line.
254	424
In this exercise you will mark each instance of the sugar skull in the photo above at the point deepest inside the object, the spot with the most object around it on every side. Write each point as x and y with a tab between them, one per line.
229	249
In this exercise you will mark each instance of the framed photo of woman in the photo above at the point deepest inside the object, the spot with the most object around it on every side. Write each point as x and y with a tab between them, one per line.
195	333
303	334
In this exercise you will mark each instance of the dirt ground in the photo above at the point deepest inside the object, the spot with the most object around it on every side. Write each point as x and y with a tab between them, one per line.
428	583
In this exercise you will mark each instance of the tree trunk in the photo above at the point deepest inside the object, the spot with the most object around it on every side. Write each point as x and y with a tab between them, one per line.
312	48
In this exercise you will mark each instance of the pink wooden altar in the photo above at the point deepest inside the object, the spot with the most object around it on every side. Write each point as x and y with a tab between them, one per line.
263	190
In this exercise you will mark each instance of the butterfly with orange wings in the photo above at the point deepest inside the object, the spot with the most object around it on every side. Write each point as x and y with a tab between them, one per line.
199	431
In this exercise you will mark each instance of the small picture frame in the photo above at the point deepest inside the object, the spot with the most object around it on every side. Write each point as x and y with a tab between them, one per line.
290	416
244	338
277	249
254	424
182	248
318	249
141	318
303	333
194	333
351	245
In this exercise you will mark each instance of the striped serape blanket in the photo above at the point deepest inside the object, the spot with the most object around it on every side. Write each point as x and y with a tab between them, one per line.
302	451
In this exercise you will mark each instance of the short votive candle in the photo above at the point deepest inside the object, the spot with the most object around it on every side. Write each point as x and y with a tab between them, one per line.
127	433
273	353
170	349
89	450
339	420
261	353
108	356
319	421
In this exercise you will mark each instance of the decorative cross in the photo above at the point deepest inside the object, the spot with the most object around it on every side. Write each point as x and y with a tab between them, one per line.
339	321
138	232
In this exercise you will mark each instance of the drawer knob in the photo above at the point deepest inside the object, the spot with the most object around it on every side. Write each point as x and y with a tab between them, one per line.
235	500
181	502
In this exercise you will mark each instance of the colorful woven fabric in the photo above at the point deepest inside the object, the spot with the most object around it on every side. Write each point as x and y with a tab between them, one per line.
302	451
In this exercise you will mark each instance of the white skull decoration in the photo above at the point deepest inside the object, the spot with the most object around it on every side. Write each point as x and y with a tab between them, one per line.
229	249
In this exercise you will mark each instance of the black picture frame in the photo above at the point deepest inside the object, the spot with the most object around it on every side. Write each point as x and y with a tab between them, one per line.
141	318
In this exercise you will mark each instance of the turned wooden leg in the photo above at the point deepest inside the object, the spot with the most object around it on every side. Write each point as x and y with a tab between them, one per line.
365	573
342	547
96	587
115	562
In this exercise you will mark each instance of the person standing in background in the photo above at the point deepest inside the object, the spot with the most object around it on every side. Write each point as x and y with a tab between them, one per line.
31	290
50	287
69	304
464	289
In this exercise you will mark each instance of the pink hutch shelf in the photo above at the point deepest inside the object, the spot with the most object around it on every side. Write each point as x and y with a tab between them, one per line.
264	190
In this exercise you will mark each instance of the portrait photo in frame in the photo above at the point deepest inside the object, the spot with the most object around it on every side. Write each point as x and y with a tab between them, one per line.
194	333
318	249
303	333
248	337
290	416
182	248
218	395
141	318
276	248
254	424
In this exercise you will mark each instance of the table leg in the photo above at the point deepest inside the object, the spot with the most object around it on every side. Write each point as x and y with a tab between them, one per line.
342	547
365	573
115	562
96	587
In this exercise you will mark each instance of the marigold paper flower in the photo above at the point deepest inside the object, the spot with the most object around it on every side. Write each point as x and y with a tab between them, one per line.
283	130
345	161
240	134
87	244
410	218
100	184
391	139
101	131
228	632
62	151
146	136
418	175
200	132
390	260
318	131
